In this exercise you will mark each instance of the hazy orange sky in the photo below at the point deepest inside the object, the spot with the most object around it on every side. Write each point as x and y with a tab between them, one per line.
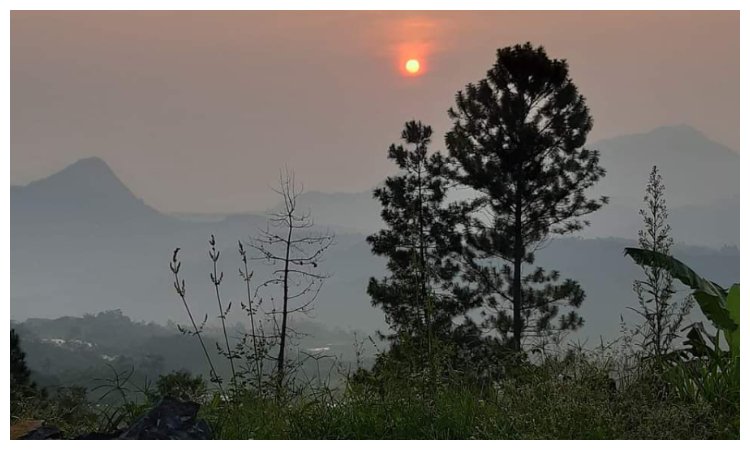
197	111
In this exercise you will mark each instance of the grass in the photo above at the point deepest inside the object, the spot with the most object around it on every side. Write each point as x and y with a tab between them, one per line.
569	400
570	395
545	403
529	413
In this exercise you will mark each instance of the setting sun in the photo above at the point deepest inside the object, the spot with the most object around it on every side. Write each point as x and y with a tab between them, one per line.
412	66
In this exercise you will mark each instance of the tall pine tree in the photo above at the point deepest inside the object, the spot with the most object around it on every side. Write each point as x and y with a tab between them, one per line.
419	296
518	141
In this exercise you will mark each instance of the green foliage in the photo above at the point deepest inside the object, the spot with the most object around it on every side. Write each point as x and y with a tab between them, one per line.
25	397
568	397
712	379
711	297
182	385
67	408
21	386
733	306
705	374
19	373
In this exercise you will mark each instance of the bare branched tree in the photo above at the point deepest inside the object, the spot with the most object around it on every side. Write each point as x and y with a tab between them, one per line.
294	250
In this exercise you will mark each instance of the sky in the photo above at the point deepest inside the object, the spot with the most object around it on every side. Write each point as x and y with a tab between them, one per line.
198	111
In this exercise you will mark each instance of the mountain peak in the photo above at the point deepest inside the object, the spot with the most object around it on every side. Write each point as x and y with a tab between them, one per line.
91	163
686	133
680	128
86	168
690	139
685	157
86	186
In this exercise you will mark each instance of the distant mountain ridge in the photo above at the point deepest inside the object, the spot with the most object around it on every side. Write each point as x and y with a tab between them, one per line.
696	170
355	211
702	180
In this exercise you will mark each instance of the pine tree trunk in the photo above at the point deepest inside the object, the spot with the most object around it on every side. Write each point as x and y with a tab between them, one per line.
423	267
517	260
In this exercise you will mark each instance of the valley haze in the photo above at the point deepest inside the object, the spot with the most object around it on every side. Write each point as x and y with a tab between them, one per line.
81	242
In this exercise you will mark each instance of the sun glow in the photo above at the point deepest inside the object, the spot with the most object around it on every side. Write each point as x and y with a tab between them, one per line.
412	66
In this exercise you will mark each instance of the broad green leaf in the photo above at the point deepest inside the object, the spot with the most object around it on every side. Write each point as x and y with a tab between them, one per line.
696	342
715	310
677	268
733	303
710	296
733	306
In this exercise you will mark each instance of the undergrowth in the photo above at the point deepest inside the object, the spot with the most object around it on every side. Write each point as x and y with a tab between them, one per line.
570	400
576	396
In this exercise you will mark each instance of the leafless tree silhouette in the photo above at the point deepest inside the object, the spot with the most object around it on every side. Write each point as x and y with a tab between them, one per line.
289	244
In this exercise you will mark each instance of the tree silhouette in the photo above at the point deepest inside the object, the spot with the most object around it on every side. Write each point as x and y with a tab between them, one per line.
419	240
21	385
19	372
288	245
518	142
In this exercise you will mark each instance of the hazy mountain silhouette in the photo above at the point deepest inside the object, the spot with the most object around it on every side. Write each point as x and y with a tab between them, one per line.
702	181
86	192
715	224
81	242
696	170
355	211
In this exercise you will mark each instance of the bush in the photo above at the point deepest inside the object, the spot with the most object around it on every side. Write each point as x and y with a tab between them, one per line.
182	385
